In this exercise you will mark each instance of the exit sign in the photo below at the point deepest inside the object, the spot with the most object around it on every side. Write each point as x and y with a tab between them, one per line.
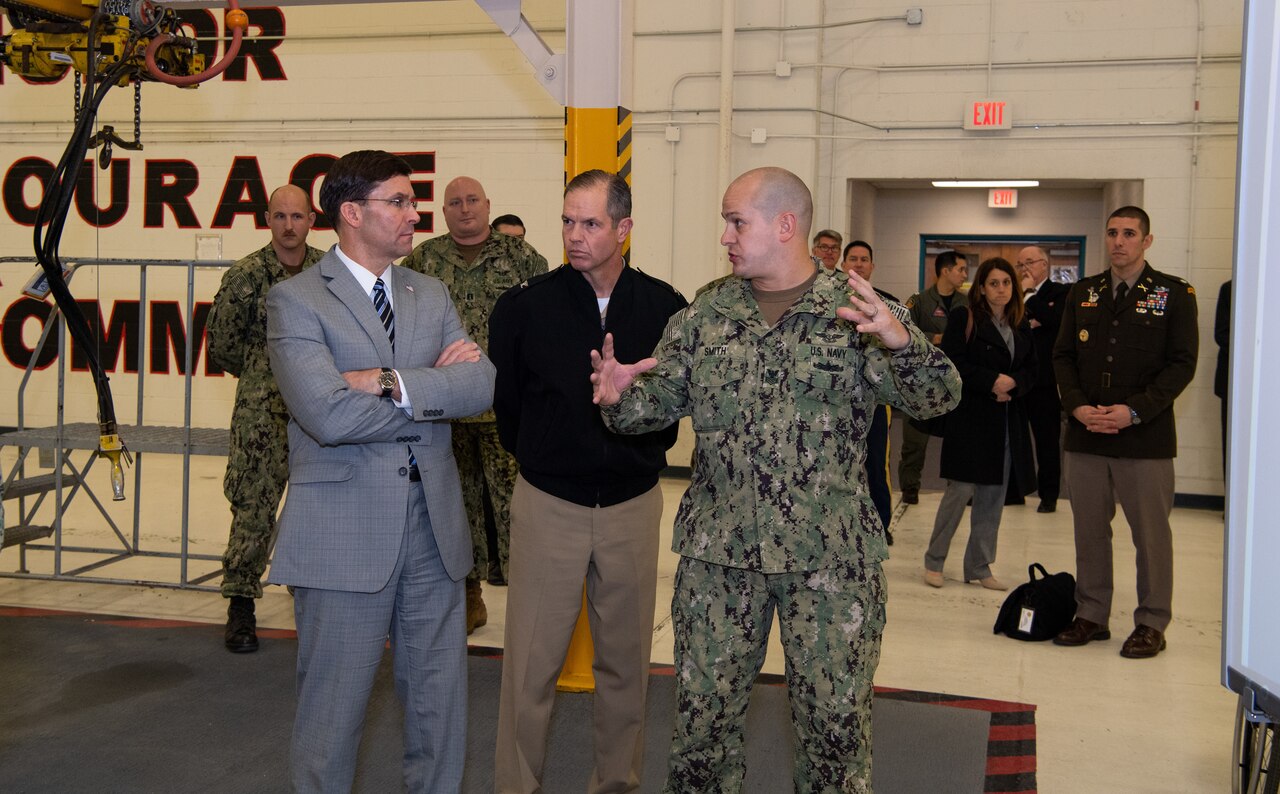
988	114
1002	198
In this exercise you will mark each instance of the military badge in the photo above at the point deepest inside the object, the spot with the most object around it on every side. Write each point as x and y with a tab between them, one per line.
1084	335
1157	300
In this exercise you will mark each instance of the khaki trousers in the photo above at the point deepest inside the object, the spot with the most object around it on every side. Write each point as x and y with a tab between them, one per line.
555	546
1144	488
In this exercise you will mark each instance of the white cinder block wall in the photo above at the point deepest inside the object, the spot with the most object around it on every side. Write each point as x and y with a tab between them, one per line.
1099	91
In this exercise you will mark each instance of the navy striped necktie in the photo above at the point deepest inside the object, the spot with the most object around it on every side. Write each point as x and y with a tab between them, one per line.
385	313
388	318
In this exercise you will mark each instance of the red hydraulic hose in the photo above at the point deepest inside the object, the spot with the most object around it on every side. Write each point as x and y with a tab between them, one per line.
237	22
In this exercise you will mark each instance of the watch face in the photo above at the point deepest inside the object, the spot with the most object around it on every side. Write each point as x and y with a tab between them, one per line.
387	380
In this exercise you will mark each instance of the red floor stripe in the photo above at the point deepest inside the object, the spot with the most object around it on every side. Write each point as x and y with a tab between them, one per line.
1010	765
146	623
1012	733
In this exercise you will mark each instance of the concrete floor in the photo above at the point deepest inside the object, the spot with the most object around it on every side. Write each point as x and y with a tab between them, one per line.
1105	724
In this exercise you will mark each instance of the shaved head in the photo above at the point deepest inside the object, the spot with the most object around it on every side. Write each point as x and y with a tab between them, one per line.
767	213
286	193
777	190
466	210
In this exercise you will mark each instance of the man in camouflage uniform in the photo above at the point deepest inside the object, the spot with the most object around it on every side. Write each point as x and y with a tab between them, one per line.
258	464
929	311
780	370
478	264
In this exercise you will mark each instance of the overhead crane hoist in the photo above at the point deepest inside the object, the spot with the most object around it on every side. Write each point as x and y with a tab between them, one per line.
106	43
112	43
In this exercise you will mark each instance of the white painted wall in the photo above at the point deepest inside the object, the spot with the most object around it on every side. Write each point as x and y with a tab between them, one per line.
405	77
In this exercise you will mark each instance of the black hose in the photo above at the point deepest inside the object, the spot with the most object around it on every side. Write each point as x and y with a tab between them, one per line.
52	218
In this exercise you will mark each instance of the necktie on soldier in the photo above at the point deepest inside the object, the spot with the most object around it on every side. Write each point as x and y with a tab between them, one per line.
1121	291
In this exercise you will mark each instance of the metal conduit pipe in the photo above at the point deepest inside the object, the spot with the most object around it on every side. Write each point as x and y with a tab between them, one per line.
1050	137
817	123
724	168
547	29
1193	176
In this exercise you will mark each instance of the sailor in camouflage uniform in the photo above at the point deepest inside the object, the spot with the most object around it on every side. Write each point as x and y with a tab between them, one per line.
478	264
780	370
258	464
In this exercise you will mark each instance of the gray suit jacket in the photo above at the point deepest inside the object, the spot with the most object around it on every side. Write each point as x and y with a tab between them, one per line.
344	516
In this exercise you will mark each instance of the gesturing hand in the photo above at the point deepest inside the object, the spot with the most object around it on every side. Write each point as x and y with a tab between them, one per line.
609	377
868	312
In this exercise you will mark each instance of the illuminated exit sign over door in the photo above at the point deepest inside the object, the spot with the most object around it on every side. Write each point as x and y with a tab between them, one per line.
1002	198
988	114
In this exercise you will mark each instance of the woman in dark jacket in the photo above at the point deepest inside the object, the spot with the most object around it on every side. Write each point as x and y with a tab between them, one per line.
987	444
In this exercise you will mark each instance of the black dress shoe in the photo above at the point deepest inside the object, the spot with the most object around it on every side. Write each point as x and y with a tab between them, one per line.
1143	643
911	497
1081	632
241	635
1047	507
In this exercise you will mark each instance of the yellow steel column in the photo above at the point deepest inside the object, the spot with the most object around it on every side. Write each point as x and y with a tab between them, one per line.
597	134
593	138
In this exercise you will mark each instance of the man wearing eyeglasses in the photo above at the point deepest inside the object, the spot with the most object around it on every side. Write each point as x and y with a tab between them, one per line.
478	264
826	248
373	362
257	465
1045	302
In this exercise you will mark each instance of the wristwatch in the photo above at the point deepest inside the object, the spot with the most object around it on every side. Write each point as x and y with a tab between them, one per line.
387	380
1133	417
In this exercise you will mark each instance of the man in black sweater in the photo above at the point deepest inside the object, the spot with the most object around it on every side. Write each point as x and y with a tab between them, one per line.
587	503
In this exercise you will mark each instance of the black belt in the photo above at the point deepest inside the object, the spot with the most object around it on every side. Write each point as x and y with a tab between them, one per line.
414	475
1118	381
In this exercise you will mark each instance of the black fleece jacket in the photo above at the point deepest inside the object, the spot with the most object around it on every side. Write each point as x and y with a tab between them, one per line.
541	335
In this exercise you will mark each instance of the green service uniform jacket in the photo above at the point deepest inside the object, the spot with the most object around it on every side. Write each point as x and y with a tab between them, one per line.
1140	352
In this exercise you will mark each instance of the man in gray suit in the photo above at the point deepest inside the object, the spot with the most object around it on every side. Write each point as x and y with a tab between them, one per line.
372	362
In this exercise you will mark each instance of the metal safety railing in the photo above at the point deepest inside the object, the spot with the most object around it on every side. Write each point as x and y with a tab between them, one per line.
68	480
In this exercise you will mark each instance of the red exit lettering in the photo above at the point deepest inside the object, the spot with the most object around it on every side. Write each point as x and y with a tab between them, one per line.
1002	198
988	114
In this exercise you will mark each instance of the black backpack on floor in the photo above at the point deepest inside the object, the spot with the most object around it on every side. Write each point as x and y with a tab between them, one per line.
1039	609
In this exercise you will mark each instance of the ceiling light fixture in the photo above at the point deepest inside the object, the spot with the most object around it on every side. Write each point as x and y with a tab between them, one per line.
987	183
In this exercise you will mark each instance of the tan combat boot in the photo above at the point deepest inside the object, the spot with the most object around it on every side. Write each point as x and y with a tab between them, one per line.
477	615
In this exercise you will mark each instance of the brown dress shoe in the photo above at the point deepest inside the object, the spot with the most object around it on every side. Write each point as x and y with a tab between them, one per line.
477	614
1143	643
1081	632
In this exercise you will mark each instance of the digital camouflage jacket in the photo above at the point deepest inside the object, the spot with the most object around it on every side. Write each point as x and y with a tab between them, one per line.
503	263
238	325
781	416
